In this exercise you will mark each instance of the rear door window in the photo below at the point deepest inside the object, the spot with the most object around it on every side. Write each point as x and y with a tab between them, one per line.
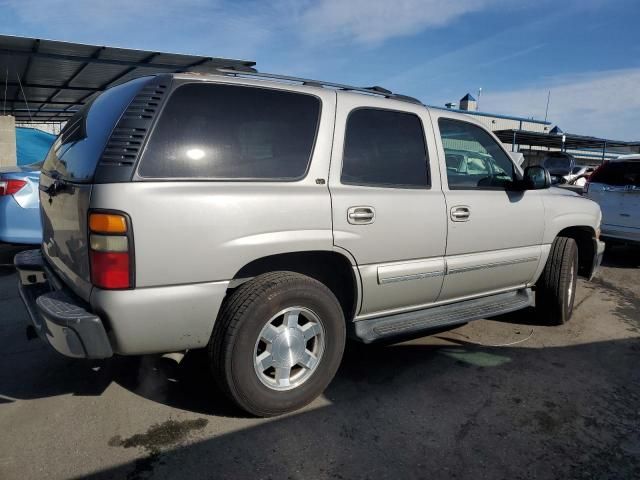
385	148
618	174
77	150
232	132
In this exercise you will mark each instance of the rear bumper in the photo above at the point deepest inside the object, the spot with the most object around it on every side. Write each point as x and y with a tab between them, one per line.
58	317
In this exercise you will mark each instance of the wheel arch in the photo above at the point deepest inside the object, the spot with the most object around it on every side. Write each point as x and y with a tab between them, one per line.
585	238
334	269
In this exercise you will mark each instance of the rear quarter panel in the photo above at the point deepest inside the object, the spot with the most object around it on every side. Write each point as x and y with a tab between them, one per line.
191	232
204	231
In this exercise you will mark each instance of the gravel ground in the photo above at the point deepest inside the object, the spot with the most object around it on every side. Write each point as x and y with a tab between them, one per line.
499	398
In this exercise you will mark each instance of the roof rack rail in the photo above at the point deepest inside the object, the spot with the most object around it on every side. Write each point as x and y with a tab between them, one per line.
375	90
246	68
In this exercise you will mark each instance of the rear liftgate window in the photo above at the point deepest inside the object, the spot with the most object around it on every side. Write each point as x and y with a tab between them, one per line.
232	132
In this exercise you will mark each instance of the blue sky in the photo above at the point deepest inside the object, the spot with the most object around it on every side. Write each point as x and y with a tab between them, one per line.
586	52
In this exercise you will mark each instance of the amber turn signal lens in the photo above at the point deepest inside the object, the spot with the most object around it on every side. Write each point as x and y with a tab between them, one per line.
107	223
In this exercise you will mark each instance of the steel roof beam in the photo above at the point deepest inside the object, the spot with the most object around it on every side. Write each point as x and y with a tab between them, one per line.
75	74
124	63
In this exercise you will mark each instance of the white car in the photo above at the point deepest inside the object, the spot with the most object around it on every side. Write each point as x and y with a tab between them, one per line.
616	187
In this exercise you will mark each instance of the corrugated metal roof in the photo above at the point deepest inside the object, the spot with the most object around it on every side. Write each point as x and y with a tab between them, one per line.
56	78
571	141
492	115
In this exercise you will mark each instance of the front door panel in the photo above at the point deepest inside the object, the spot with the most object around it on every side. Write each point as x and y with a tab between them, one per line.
495	234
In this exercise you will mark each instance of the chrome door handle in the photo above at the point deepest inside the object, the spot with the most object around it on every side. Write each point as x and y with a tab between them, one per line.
361	215
460	213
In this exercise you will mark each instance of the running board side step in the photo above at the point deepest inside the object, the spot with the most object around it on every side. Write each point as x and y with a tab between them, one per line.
416	323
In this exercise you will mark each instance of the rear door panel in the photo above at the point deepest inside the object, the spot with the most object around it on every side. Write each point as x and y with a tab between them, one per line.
400	255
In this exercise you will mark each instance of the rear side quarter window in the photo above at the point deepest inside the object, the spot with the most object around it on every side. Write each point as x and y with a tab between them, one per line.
229	132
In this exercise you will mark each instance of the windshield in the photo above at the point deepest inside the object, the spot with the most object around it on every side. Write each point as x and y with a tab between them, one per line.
557	163
618	174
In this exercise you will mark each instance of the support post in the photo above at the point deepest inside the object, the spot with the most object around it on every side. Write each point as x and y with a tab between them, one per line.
8	157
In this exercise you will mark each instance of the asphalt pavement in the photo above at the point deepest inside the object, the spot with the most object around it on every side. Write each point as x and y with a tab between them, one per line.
500	398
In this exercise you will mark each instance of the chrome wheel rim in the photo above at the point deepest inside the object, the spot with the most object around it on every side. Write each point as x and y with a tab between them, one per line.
289	348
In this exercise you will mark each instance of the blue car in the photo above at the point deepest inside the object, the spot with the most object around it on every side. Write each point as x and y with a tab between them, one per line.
20	206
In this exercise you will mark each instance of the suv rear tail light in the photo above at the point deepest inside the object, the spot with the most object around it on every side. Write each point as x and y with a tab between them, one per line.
110	251
9	187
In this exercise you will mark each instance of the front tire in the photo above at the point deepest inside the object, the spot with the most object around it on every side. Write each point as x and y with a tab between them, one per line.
277	343
556	288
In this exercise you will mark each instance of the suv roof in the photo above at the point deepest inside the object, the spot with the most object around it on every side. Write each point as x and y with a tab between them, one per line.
279	79
248	76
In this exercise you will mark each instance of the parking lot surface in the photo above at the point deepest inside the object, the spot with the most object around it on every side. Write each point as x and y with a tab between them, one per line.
499	398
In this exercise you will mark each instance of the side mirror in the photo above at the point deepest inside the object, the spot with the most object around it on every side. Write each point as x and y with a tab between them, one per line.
536	177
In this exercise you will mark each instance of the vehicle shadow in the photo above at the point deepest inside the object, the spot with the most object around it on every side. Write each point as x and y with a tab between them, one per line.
621	256
409	410
43	373
7	252
414	411
6	270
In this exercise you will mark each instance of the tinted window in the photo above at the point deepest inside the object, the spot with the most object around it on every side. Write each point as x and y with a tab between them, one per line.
559	164
384	148
75	153
618	174
232	132
473	158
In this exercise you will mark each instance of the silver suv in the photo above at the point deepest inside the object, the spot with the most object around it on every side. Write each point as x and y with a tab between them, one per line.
266	218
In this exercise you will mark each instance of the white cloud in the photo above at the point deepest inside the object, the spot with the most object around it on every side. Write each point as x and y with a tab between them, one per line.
604	103
367	21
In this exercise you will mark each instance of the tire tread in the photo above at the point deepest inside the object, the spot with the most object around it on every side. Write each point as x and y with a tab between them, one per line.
550	300
229	320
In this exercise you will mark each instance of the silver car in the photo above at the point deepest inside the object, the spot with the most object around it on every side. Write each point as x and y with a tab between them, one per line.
616	187
267	218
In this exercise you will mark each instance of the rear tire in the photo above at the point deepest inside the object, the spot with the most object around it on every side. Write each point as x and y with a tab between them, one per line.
556	288
277	343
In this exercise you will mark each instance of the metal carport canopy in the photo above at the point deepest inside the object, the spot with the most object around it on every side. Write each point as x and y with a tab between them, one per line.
46	81
570	142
